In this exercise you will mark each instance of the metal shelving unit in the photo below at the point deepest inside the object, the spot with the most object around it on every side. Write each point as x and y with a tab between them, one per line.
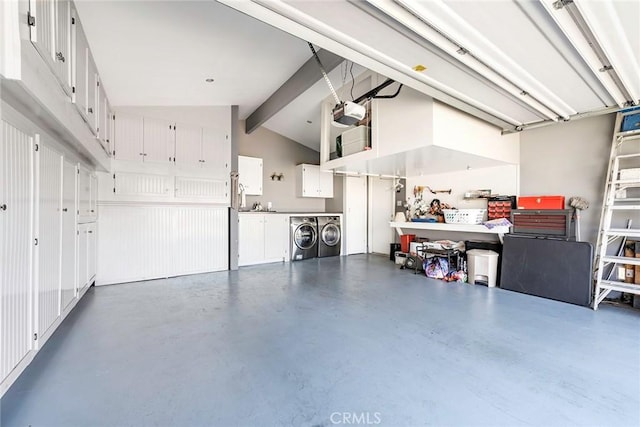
615	208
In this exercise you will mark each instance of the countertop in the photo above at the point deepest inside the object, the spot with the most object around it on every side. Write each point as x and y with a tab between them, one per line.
293	213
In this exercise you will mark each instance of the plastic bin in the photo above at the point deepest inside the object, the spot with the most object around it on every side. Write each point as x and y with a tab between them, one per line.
482	267
405	239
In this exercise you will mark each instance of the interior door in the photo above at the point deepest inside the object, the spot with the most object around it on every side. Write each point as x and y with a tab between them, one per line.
68	268
159	138
355	215
188	145
49	236
381	198
62	55
79	67
128	137
16	246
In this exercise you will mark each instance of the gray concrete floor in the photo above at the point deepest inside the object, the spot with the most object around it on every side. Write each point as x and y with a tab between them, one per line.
313	342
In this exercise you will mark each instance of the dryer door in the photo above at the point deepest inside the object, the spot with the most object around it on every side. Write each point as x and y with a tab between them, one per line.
330	234
305	236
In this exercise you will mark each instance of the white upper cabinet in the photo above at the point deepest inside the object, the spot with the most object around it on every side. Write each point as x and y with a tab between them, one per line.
158	140
42	28
128	138
50	32
62	54
80	48
250	175
104	119
204	147
92	94
312	182
216	150
188	144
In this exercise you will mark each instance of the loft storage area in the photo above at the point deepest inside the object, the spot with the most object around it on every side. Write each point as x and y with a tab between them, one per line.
411	134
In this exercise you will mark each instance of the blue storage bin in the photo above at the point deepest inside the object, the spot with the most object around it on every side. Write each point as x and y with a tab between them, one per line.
632	121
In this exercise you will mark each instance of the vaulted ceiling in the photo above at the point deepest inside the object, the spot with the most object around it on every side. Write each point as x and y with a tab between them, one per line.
516	64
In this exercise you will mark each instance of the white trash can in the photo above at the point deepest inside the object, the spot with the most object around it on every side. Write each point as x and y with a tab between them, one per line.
482	267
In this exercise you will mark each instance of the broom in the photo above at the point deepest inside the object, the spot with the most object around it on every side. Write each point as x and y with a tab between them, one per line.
578	204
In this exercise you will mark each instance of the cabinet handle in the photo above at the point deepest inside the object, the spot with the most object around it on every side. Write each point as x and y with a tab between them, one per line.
3	207
60	56
90	232
92	211
64	209
90	110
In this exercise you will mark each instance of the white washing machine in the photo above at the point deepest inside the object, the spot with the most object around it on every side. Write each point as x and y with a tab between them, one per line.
304	238
330	240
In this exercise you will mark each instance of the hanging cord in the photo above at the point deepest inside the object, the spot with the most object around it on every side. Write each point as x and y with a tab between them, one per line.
324	74
353	81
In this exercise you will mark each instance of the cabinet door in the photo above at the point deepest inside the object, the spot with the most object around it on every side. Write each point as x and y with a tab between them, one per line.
106	123
91	252
250	239
93	115
62	55
93	196
250	175
159	138
276	237
101	128
128	139
84	193
43	29
49	235
216	151
16	246
310	181
325	180
83	271
68	268
79	64
188	145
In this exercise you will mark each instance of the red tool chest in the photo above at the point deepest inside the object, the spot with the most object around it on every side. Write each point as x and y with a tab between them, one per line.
541	202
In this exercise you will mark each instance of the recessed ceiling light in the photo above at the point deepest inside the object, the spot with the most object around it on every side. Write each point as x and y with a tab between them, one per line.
209	80
309	121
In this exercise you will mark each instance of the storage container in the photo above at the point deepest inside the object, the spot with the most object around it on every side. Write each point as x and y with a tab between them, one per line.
482	266
401	258
405	239
463	216
500	206
631	122
354	140
541	202
549	222
630	174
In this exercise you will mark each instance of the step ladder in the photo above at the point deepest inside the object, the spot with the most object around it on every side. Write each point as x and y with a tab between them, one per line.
617	209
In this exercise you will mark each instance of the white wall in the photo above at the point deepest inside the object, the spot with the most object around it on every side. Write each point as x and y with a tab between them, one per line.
279	155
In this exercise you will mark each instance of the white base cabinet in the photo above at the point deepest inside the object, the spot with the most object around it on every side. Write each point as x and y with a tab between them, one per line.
313	182
263	238
86	254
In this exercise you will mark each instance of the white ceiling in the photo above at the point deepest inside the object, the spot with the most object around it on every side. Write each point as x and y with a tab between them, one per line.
159	53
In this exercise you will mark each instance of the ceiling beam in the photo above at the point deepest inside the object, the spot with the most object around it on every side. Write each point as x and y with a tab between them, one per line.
296	85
